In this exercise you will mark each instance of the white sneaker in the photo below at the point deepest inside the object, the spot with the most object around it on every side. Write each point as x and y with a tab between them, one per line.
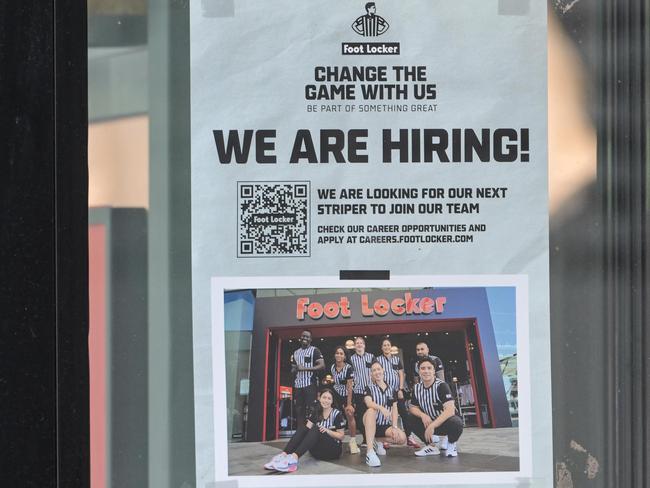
444	442
451	450
288	464
379	448
372	460
414	441
354	449
428	450
275	459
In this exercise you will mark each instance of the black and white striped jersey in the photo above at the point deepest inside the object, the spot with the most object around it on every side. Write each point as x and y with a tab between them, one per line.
431	400
341	378
306	357
370	25
335	421
392	366
361	366
437	364
381	397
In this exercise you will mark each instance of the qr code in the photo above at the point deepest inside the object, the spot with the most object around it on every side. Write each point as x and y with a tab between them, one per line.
273	219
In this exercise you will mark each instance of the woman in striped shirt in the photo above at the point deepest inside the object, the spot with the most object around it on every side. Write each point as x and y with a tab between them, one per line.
343	375
361	362
321	435
395	379
380	420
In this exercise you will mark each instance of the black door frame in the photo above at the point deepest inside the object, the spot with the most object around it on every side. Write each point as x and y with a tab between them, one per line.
275	335
43	243
624	176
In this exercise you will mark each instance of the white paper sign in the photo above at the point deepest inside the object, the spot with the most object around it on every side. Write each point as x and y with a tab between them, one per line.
370	169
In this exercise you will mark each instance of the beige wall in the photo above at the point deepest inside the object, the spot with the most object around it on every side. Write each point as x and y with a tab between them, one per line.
571	135
118	163
117	7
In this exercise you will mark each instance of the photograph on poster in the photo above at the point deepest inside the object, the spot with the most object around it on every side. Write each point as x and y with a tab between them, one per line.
394	380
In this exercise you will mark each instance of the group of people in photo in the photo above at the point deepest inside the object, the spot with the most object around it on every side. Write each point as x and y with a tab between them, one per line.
369	394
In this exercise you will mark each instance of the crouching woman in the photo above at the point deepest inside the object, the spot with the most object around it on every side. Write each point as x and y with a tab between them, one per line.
380	420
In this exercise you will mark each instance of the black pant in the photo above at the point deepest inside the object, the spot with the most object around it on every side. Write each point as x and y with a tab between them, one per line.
340	401
404	413
359	409
321	446
452	428
304	399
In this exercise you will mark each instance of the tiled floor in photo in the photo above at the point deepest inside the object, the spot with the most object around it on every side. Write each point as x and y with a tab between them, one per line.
478	450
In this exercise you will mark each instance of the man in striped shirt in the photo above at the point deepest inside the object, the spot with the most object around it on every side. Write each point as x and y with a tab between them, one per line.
306	361
371	24
361	362
422	351
433	412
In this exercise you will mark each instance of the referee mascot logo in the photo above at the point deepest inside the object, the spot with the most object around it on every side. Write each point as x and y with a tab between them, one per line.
371	24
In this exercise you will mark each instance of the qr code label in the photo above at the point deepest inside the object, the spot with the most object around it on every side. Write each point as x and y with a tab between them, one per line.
273	219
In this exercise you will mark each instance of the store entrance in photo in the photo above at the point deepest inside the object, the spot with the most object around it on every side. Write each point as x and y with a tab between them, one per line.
454	342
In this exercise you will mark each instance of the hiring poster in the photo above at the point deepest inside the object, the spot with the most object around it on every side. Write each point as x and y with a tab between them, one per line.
370	243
